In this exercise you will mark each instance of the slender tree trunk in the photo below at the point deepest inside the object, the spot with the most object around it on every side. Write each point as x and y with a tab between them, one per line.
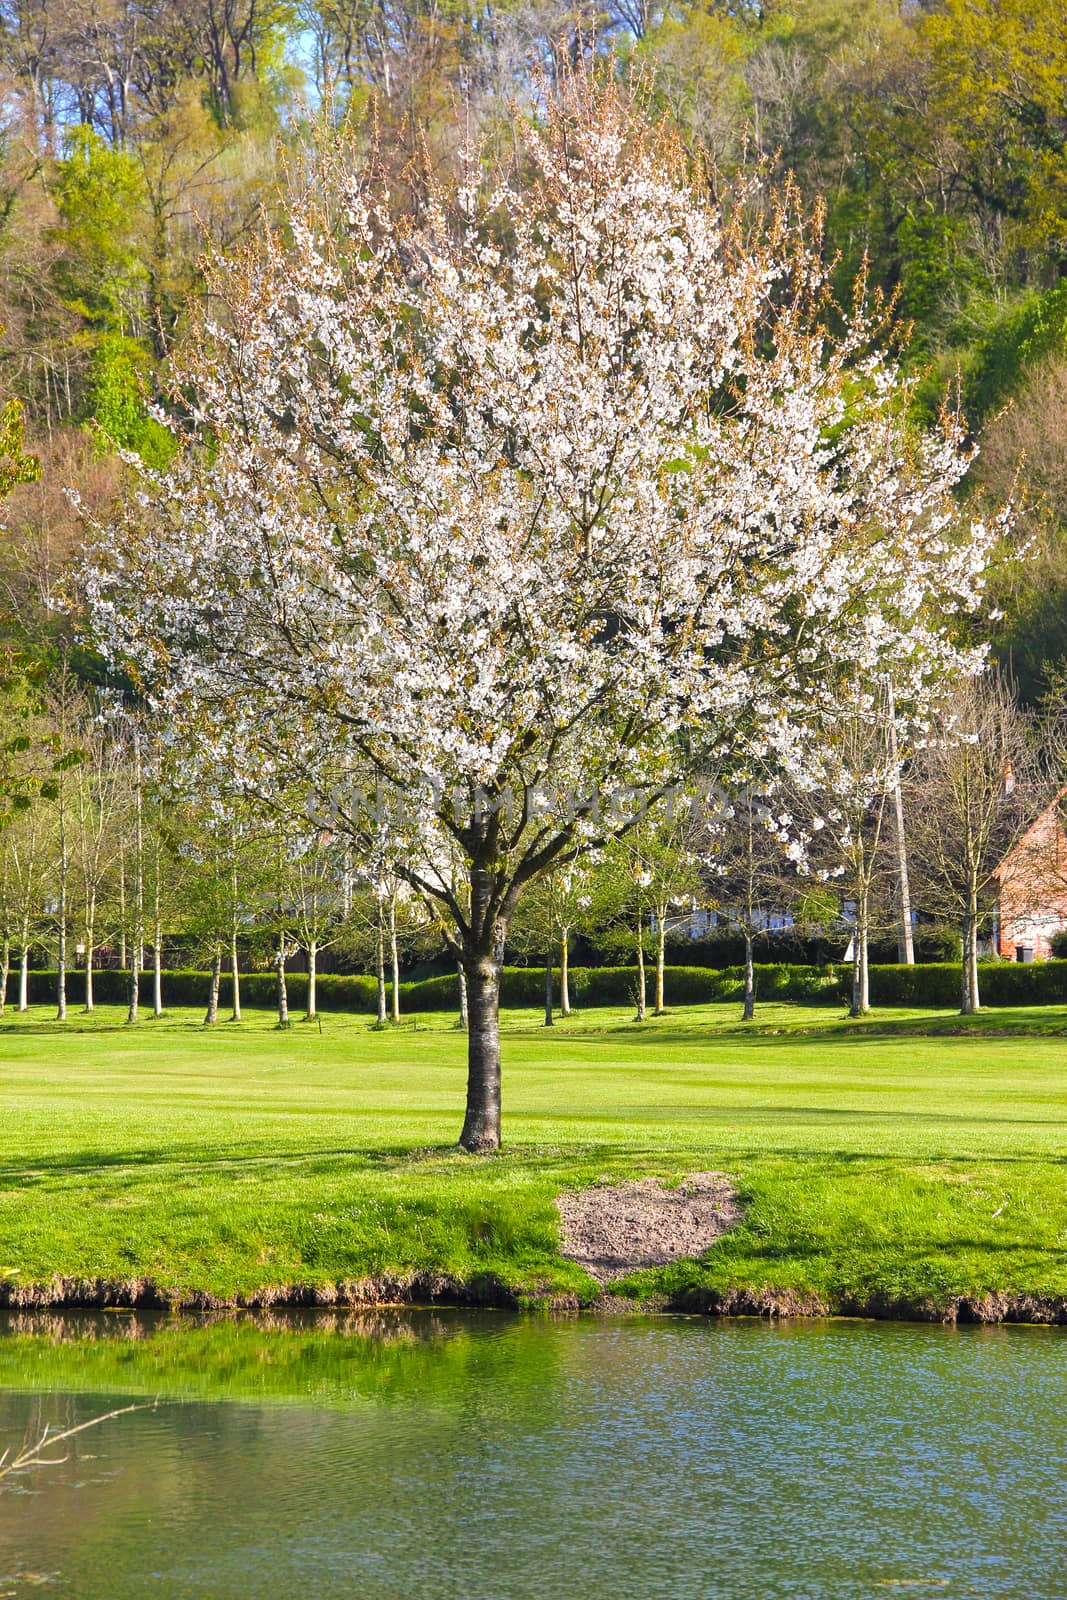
642	995
749	1010
281	984
235	970
157	933
464	1013
61	951
971	1000
313	973
860	982
976	994
137	956
905	936
157	968
394	957
24	968
90	934
549	997
122	907
212	1015
5	972
481	1125
133	987
383	1009
661	961
564	973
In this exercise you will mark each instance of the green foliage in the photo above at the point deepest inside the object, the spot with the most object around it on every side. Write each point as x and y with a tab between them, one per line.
120	371
99	191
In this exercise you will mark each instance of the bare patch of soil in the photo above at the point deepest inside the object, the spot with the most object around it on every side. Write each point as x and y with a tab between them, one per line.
616	1228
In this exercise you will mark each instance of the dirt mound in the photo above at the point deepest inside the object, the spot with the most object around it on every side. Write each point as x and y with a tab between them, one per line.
615	1228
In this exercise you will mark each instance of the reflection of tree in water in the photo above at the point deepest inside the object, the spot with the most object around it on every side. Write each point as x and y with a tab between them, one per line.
317	1423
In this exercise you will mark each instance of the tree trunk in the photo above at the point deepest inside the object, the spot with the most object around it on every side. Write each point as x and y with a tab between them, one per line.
61	951
90	998
464	1013
481	1125
905	937
281	985
642	998
749	1010
383	1011
394	956
24	972
564	974
971	999
661	960
212	1015
5	971
860	981
157	937
235	969
549	997
157	972
313	973
133	988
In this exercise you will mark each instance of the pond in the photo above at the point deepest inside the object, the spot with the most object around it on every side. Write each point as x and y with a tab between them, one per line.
440	1454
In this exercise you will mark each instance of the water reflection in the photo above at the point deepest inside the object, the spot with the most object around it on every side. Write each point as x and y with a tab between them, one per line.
443	1454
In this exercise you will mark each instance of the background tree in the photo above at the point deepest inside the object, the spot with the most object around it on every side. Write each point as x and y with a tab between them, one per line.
973	793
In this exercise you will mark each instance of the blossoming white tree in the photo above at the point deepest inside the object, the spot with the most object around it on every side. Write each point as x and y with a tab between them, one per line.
562	477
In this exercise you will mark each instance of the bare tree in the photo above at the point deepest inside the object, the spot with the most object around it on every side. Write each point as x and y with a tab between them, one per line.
974	792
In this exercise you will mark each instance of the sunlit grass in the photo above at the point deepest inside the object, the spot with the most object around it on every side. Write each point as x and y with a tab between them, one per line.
907	1155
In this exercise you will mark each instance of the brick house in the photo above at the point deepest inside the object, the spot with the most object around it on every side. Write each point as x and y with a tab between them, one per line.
1031	905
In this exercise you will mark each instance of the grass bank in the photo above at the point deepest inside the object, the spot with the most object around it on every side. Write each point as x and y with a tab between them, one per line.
909	1162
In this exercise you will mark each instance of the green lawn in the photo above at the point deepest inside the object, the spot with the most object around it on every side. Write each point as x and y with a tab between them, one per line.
909	1156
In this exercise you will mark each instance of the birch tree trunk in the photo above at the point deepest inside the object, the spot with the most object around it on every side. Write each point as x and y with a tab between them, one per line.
383	1010
564	973
5	972
137	942
90	938
281	984
157	968
749	1010
642	999
235	971
464	1013
394	956
313	974
212	1015
860	982
661	959
905	936
971	999
61	950
24	968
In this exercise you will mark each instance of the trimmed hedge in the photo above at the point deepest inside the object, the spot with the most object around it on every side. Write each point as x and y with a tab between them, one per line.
932	984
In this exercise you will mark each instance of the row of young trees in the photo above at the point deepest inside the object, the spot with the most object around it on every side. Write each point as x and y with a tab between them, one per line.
104	861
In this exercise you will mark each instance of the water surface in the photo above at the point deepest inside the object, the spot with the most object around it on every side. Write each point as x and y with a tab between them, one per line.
445	1455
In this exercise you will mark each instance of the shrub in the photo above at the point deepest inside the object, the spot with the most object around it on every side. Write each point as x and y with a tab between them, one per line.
1003	983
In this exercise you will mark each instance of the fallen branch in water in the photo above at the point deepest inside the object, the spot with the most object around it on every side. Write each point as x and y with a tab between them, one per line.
31	1455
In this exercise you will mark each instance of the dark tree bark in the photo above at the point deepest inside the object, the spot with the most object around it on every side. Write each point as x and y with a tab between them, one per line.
549	997
481	1125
